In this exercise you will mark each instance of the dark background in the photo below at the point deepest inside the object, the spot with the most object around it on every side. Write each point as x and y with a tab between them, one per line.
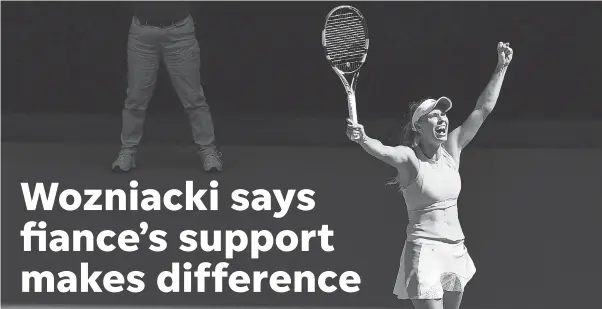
266	58
531	214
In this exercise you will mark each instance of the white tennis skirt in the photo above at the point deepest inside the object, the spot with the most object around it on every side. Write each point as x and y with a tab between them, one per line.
428	268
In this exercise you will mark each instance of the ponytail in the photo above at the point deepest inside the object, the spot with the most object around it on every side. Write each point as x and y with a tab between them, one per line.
408	138
408	135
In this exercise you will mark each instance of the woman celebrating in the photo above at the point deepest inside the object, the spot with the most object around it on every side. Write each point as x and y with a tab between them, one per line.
435	265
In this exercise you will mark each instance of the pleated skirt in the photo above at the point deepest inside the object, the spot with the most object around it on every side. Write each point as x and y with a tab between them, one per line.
428	268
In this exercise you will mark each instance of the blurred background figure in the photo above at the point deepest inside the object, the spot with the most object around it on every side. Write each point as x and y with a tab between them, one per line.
165	30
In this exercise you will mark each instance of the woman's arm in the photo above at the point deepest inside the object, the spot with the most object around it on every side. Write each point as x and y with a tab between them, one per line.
394	156
461	136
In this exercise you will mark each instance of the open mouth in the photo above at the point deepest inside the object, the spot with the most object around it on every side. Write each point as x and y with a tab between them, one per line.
441	130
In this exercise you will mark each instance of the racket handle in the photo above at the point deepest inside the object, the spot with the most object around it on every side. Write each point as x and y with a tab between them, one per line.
352	108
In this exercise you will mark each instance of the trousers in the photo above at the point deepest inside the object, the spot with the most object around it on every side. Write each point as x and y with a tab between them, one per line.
178	47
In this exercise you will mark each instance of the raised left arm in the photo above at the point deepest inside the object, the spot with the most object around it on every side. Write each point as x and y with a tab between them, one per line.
462	135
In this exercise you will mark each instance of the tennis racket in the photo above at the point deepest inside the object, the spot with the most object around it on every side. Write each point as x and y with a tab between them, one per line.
345	41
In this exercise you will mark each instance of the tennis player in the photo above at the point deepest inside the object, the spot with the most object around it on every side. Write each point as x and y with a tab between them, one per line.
435	265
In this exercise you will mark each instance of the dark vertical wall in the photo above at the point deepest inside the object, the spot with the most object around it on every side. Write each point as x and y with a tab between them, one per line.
70	57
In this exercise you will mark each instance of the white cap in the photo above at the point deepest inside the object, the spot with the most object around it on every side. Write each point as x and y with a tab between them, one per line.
427	106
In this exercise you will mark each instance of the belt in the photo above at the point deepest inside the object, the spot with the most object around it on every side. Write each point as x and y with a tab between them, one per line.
160	23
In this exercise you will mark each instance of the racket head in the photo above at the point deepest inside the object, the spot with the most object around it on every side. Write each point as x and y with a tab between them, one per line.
345	39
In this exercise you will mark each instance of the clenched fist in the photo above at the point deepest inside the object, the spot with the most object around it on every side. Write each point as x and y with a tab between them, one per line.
504	53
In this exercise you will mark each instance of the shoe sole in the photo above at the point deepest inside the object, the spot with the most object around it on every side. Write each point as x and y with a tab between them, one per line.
214	170
119	170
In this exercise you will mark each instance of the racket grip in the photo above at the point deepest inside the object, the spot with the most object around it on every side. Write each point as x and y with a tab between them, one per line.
352	108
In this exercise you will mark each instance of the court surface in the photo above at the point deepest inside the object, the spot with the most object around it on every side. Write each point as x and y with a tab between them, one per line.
165	166
351	197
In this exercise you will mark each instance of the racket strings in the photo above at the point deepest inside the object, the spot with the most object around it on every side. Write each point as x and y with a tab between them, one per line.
348	38
345	38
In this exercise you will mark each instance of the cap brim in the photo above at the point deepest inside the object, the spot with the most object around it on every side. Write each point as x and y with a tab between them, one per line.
445	103
429	105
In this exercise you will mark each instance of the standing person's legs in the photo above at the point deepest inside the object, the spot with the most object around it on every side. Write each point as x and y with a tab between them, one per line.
181	54
143	57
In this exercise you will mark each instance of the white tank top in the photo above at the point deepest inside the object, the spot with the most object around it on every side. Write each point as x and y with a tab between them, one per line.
431	199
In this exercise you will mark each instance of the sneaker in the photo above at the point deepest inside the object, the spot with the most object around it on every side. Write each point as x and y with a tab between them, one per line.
211	157
126	161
